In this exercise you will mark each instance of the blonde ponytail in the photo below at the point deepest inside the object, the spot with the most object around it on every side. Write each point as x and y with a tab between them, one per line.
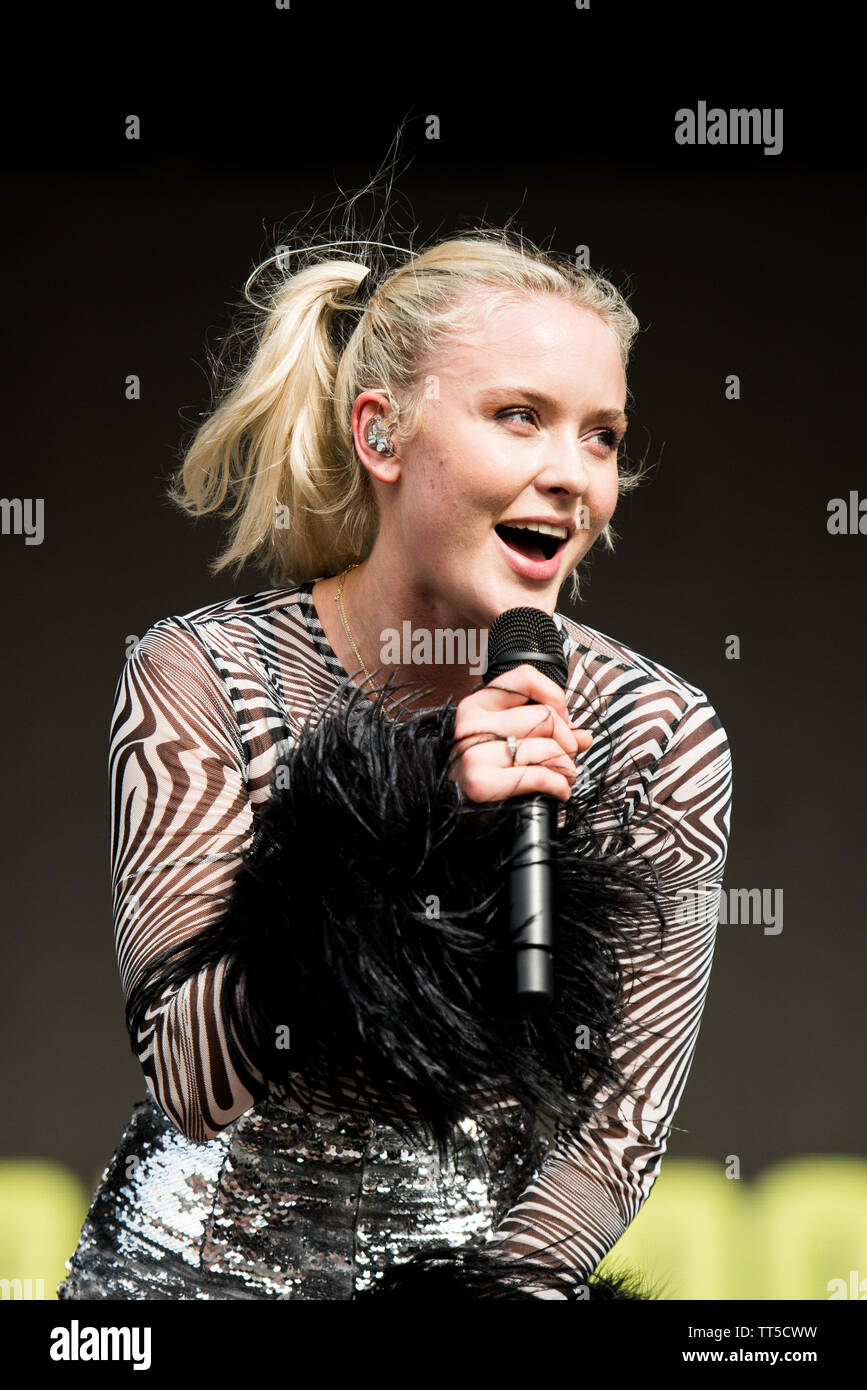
272	444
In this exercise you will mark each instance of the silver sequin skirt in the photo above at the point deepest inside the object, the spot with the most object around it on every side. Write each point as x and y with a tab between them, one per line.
289	1204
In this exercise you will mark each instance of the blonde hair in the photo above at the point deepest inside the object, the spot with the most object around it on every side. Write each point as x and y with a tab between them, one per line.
279	444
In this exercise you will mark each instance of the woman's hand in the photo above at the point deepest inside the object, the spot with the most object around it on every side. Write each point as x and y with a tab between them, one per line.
547	742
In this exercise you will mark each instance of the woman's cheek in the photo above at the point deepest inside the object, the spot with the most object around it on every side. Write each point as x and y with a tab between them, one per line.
605	507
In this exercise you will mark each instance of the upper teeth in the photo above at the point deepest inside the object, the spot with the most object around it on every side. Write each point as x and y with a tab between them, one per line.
561	531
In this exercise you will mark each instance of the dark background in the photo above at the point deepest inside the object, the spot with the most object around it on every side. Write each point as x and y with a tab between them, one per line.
124	258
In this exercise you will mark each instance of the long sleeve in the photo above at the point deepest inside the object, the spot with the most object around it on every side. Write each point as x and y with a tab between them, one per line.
589	1189
180	818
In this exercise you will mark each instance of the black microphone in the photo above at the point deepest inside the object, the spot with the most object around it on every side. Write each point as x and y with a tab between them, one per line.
518	637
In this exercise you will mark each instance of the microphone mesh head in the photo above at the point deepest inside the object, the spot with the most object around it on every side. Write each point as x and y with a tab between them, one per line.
526	636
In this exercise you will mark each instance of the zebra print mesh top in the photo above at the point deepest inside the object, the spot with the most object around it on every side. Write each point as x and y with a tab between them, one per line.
200	706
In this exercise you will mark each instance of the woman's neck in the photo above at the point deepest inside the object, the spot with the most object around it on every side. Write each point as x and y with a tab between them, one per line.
414	642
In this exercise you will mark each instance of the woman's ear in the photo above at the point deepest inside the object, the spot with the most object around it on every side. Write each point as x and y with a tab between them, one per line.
368	406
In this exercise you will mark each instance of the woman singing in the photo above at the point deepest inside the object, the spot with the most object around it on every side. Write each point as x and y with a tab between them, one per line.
313	815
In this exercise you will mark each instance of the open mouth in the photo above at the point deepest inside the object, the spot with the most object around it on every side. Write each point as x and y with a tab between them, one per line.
533	544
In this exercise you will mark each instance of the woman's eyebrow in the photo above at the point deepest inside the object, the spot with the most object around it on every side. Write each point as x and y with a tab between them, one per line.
608	415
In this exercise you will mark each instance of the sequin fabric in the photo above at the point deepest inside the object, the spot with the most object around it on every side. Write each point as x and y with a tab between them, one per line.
288	1204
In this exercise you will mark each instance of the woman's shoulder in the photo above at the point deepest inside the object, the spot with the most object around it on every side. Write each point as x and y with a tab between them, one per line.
249	661
651	721
237	609
245	641
234	629
608	667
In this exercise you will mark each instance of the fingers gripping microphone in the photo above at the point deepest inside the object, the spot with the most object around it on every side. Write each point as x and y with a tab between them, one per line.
518	637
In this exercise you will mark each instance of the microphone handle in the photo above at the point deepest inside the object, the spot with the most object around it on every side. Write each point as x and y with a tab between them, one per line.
531	886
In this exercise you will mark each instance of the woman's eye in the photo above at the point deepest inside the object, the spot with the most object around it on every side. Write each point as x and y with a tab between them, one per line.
517	410
612	440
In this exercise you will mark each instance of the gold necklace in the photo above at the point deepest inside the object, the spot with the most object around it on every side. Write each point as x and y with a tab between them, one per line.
341	610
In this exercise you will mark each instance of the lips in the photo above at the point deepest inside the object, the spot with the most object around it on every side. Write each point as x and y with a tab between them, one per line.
529	566
535	544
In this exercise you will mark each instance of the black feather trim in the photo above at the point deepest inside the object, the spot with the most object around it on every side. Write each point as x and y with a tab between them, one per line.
369	918
451	1274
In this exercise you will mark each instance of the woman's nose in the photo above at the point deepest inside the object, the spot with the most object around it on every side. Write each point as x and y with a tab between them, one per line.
565	468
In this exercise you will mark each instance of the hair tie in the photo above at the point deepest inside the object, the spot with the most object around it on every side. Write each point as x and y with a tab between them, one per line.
353	303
